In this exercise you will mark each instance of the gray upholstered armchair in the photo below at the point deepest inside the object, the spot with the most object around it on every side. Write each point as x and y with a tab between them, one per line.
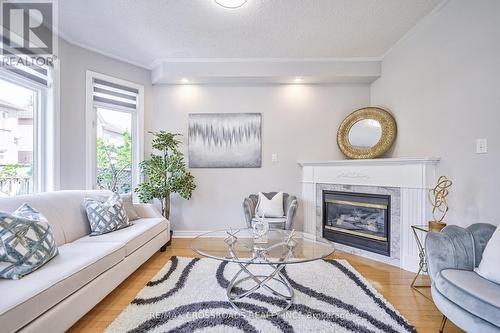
290	205
467	299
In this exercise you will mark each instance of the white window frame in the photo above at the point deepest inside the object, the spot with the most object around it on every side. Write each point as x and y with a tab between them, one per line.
137	134
44	138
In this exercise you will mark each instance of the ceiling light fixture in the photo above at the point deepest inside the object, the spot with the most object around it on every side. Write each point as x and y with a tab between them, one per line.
231	4
297	80
184	80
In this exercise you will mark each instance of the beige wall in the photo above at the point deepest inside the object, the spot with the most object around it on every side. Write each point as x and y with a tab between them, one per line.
443	85
298	122
75	61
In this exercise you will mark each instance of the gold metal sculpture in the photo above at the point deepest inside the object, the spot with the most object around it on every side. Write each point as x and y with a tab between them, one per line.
388	127
437	198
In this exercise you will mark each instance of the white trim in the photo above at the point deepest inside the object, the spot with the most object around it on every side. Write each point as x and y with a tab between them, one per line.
90	118
377	161
106	54
160	61
53	135
46	172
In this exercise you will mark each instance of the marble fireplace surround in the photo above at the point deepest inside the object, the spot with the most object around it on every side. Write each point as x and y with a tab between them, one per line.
406	180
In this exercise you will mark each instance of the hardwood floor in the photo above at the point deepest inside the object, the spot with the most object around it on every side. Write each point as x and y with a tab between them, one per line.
391	282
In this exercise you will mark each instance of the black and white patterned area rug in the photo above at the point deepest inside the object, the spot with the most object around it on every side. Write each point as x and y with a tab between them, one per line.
189	295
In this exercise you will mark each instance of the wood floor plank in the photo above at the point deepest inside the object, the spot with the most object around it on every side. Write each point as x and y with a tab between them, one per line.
391	282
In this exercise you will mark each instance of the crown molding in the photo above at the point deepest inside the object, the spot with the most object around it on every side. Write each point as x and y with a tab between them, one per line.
413	31
106	54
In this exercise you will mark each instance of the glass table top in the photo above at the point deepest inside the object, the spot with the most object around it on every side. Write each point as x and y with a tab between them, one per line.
277	247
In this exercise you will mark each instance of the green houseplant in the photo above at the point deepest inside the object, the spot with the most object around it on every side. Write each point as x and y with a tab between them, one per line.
165	173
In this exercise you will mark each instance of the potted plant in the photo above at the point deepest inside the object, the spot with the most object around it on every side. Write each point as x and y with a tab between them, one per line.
165	173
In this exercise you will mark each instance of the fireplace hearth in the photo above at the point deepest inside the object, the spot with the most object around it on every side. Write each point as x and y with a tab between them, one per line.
359	220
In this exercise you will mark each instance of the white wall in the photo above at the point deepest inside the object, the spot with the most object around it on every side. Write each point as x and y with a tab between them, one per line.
443	85
75	61
298	122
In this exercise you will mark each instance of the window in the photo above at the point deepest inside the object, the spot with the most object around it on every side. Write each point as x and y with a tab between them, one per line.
20	131
114	133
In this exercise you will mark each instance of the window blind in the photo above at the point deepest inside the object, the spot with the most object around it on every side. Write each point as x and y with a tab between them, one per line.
26	66
112	95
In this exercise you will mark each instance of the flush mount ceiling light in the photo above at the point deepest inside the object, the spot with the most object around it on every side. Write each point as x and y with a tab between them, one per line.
297	80
231	4
184	80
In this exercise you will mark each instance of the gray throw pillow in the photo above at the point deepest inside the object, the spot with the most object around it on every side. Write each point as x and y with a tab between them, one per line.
128	204
106	216
26	242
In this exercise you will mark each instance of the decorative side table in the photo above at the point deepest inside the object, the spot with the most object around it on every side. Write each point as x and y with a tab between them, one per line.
419	232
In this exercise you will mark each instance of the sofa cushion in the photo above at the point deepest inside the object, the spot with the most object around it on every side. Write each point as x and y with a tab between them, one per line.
471	292
133	237
26	242
76	265
63	209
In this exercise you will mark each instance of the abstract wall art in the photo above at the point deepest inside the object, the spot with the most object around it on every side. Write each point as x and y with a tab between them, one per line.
225	140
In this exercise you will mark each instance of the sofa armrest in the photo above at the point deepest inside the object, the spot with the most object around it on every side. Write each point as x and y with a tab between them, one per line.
453	248
147	210
291	209
248	211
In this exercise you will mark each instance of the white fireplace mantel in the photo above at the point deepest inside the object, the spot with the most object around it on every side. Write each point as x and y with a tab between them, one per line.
413	176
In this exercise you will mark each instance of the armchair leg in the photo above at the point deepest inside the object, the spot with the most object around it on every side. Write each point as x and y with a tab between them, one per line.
443	322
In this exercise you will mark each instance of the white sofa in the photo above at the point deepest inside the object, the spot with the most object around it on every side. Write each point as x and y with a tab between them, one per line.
55	296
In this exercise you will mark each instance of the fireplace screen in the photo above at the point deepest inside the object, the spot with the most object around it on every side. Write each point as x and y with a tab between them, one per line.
357	219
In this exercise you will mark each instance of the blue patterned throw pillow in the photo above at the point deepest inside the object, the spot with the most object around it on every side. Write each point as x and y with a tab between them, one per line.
106	216
26	242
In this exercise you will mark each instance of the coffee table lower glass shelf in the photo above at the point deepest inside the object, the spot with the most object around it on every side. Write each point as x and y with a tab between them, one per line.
276	250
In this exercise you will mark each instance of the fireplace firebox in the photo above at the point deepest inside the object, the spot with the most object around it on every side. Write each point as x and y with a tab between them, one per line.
359	220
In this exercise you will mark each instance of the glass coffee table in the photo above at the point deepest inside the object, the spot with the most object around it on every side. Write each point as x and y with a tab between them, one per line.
276	249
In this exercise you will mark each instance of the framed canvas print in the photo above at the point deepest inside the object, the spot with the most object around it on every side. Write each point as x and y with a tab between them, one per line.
225	140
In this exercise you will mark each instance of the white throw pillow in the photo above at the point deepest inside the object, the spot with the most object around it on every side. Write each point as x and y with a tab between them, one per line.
489	268
270	207
128	205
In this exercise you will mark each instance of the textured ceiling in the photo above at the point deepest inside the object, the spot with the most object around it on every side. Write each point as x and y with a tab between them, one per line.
145	31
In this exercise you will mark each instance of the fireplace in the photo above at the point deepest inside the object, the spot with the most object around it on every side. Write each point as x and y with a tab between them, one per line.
359	220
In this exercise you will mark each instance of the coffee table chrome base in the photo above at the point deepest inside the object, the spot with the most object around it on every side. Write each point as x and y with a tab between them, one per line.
260	282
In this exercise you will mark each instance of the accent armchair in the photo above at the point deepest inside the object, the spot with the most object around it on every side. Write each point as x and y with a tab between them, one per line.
463	296
290	205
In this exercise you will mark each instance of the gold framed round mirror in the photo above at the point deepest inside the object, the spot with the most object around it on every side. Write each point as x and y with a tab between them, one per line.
367	133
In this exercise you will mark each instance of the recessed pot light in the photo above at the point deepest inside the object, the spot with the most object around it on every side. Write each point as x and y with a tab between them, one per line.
231	4
184	80
297	80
